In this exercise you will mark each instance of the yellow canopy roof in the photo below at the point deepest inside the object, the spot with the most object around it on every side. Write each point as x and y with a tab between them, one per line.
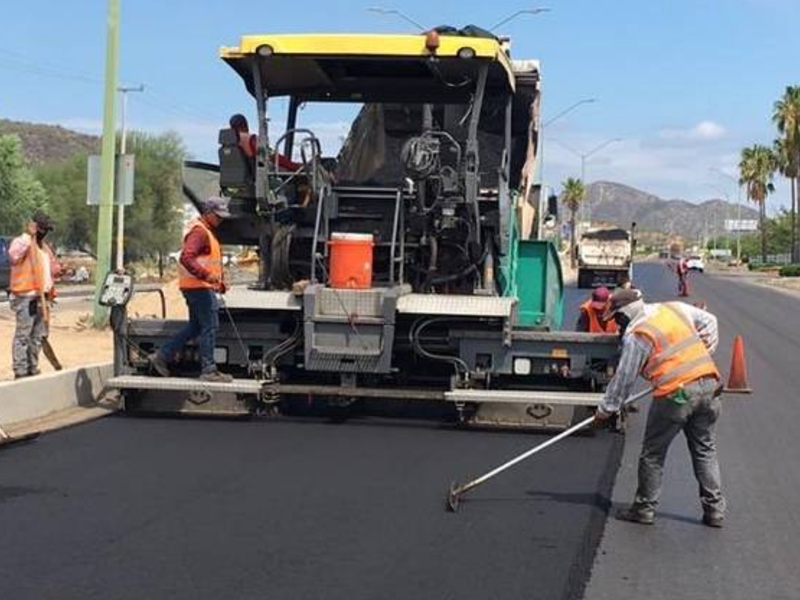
314	52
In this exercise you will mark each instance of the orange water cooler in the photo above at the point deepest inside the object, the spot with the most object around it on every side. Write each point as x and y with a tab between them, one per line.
351	260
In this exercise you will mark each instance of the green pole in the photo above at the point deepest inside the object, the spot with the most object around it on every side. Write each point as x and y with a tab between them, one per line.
105	219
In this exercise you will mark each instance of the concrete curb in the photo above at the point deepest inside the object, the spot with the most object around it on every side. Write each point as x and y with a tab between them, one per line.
37	397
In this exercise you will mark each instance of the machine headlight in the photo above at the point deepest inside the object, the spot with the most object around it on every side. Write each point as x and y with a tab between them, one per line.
265	50
522	366
466	52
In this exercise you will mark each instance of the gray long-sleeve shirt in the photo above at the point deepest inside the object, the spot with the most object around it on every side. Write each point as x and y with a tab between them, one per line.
636	350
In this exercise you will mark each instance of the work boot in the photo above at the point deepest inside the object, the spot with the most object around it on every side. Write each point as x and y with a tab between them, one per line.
713	520
216	377
159	364
634	515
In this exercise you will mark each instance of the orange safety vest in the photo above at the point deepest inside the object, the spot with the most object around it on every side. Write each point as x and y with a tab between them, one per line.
679	356
27	275
211	261
595	324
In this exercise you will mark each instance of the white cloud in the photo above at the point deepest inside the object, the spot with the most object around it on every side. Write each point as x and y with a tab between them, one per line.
666	170
705	131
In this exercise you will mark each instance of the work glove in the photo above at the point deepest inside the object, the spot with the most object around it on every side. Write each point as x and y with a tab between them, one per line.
222	288
603	415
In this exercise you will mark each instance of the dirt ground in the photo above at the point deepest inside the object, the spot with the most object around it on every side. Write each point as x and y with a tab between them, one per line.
73	338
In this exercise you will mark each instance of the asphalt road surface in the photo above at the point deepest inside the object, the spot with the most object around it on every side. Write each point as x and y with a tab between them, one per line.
756	554
148	508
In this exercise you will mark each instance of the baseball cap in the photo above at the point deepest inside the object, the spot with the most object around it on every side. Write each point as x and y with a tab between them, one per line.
218	206
42	221
600	297
620	299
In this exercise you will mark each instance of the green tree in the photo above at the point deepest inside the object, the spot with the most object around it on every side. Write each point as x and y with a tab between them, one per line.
75	222
786	116
152	224
572	196
20	192
757	168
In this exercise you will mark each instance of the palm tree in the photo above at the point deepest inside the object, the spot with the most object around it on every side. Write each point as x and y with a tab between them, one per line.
757	168
789	166
572	196
786	116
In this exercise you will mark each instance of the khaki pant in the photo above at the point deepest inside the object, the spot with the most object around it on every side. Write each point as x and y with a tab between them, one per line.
697	419
30	331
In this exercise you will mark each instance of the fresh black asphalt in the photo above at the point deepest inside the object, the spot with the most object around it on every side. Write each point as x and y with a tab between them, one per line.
169	508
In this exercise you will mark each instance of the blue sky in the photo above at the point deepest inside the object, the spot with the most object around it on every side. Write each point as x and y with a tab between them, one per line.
684	83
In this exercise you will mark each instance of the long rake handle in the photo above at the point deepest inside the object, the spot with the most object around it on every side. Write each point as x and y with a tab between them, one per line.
577	427
486	477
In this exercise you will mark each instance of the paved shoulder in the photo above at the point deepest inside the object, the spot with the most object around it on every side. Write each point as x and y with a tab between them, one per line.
755	555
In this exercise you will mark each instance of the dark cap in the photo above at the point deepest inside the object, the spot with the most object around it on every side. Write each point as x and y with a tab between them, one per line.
218	206
239	122
620	299
42	220
600	297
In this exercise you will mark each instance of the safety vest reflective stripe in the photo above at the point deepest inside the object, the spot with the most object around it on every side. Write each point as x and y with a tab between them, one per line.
211	262
670	352
678	356
595	324
27	276
676	374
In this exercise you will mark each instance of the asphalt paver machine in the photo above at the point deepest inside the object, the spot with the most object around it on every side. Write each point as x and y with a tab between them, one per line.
398	276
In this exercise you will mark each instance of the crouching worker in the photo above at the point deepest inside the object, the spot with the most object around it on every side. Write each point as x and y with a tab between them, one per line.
201	278
670	345
590	319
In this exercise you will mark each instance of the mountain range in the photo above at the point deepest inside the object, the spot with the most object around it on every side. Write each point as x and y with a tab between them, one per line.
620	205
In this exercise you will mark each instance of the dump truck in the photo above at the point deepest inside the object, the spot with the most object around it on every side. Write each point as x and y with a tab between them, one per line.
605	257
393	278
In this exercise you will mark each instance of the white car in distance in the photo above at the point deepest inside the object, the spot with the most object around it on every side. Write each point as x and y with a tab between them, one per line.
695	263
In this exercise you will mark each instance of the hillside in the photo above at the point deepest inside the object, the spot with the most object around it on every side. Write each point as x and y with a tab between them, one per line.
620	204
44	144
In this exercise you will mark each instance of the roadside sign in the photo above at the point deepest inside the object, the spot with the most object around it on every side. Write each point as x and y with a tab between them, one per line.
741	225
123	185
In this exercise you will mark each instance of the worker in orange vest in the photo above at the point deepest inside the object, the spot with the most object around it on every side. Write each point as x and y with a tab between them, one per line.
201	279
34	268
682	271
591	312
671	346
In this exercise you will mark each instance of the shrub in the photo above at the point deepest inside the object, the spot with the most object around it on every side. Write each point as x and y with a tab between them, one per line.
762	267
790	271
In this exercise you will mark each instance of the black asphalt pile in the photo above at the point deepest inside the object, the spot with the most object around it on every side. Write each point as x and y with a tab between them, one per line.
148	508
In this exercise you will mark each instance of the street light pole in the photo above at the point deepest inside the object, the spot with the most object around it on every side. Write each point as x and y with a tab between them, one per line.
585	156
568	110
542	192
738	211
124	91
529	11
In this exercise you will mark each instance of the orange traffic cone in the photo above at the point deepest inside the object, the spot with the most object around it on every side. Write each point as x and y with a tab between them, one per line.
737	380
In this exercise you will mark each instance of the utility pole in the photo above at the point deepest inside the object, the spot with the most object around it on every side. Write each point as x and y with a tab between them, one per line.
124	91
105	218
